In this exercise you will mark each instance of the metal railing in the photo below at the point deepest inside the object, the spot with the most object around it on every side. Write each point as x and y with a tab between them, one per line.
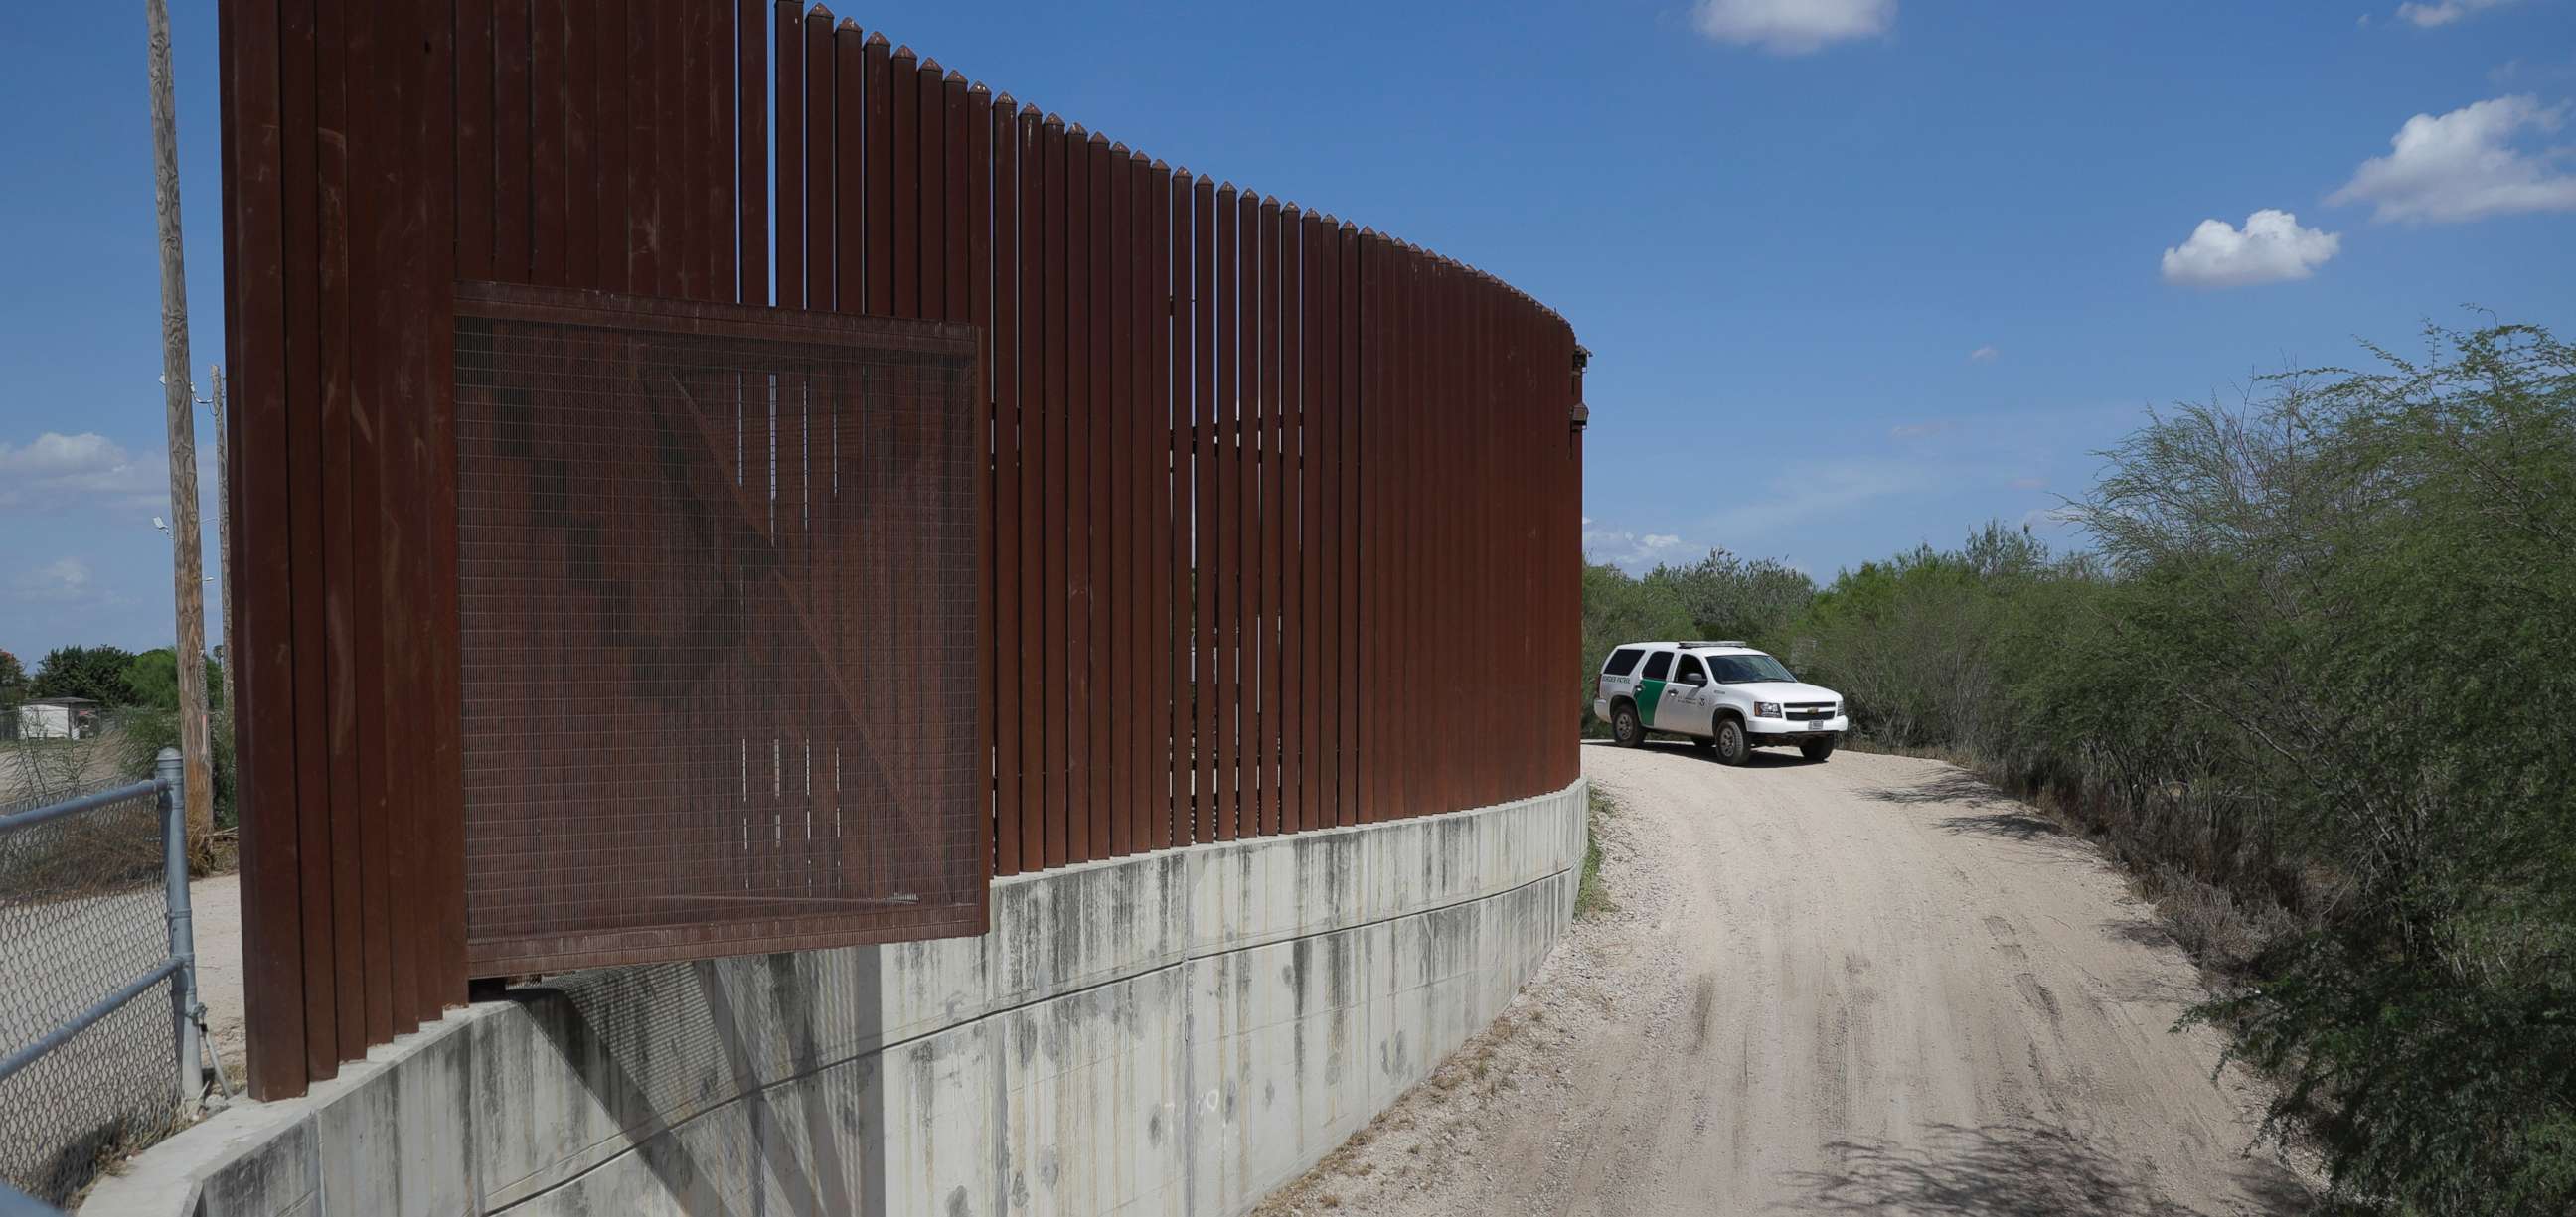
93	916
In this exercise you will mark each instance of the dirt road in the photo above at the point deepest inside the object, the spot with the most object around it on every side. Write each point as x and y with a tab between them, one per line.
1866	986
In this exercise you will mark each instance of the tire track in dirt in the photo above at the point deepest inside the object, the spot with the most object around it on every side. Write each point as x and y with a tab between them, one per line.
1871	985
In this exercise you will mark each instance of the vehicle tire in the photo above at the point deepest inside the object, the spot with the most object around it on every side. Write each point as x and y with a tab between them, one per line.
1625	730
1816	750
1732	746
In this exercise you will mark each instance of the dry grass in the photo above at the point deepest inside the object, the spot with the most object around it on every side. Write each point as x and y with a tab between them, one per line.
2209	922
1591	896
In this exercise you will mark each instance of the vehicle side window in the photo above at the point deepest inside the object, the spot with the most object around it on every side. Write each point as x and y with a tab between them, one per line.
1659	666
1690	673
1622	661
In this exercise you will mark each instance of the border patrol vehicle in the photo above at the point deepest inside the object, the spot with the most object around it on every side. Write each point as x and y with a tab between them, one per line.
1721	695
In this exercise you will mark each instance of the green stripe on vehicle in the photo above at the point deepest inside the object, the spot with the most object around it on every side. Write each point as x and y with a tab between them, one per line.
1650	694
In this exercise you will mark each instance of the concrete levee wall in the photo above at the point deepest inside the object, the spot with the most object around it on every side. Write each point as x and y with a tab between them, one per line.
1172	1033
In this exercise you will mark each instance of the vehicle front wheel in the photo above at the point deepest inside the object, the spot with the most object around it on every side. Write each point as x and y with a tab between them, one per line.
1625	730
1732	747
1816	750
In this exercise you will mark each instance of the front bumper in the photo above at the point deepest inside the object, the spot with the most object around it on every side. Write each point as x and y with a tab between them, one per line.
1782	730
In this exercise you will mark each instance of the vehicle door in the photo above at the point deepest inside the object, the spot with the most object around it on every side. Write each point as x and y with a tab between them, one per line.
1690	701
1652	682
1619	677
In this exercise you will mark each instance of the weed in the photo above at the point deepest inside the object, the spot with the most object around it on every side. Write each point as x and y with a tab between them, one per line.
1591	896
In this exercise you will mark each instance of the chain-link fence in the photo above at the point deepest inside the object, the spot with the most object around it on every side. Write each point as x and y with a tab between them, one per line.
94	943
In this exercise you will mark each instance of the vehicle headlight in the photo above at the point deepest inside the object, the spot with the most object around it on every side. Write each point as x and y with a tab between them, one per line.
1766	709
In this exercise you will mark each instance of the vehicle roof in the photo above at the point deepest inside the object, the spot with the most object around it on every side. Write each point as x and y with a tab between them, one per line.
1697	648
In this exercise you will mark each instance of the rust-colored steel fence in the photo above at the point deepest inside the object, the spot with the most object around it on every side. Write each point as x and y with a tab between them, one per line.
1273	519
719	625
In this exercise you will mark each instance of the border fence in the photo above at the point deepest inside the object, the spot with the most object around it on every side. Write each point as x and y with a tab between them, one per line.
1274	518
99	1018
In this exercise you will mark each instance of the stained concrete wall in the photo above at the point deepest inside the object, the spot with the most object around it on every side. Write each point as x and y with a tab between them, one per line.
1175	1033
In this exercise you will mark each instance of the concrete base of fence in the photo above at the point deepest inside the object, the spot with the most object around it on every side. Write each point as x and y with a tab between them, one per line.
1173	1033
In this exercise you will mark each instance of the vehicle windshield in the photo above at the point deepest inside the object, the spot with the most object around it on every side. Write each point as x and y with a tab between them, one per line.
1746	669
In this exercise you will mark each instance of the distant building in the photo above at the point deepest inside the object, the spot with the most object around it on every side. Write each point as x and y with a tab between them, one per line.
57	718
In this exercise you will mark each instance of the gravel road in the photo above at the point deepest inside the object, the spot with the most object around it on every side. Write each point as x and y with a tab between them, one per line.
1867	986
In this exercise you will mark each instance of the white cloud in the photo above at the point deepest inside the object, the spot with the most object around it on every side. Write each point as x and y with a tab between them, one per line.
64	581
61	472
2028	483
2443	12
1984	354
1630	550
2461	166
2271	248
1792	27
1919	430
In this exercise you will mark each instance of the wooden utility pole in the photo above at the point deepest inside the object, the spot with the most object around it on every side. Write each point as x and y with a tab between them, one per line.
187	569
223	530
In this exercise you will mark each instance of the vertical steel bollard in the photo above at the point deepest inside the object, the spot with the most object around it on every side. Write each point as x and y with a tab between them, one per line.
183	932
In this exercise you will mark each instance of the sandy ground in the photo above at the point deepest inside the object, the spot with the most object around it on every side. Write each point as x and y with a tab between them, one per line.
1867	986
214	908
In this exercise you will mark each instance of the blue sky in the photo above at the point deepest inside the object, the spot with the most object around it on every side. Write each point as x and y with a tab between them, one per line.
1856	274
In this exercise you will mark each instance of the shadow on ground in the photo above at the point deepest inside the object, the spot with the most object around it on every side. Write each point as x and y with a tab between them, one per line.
1947	785
2018	825
1998	816
1759	758
2144	932
2010	1169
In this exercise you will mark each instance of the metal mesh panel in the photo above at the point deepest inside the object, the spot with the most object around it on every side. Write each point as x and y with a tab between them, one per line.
718	602
82	916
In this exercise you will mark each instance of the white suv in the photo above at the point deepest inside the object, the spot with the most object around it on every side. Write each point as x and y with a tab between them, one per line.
1722	695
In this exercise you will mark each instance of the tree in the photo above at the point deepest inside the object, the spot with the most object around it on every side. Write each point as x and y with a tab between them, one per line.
1729	597
151	723
97	673
13	680
154	678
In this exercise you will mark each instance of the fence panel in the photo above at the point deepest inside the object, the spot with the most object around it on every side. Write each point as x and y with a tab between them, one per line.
1203	498
1164	637
94	938
1226	430
1115	546
1253	479
686	737
1095	412
1027	662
